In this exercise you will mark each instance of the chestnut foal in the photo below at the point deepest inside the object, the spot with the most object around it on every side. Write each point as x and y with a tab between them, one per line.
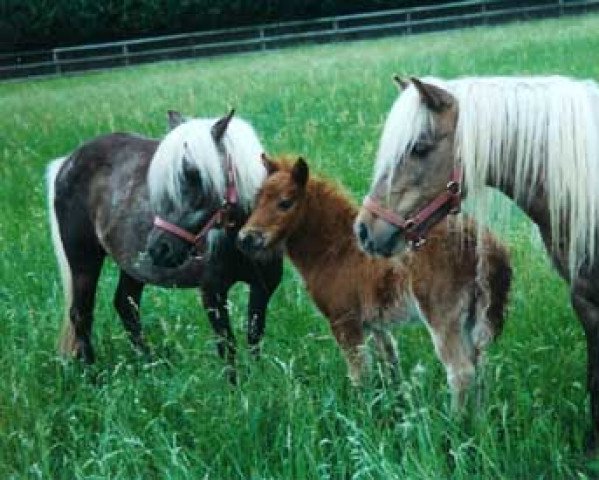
312	221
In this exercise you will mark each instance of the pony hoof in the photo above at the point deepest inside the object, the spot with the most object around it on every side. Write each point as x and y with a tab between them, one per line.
255	352
355	382
85	353
590	445
141	348
231	376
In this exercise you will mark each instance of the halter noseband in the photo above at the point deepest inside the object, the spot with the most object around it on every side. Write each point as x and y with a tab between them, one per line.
416	226
217	219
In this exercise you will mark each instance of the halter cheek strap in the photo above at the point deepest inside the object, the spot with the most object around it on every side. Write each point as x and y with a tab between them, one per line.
177	231
217	218
417	226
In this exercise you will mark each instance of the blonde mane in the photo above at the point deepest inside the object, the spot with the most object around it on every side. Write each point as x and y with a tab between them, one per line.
526	131
193	142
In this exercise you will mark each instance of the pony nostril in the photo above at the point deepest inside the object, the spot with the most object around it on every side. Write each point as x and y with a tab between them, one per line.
362	232
258	240
391	242
244	241
251	241
159	251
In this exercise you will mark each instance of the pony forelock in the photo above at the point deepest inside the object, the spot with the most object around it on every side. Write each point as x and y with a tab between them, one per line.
406	121
530	132
192	142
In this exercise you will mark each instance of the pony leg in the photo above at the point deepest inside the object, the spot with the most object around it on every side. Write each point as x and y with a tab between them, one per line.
259	298
126	302
261	289
457	357
266	280
80	257
85	281
215	304
350	337
480	380
588	314
387	350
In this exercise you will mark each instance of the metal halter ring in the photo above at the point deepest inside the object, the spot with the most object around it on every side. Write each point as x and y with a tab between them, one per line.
409	225
418	243
453	187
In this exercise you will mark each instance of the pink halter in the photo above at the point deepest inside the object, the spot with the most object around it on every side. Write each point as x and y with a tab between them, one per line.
451	196
216	220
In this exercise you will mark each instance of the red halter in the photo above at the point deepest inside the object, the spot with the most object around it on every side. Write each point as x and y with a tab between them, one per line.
451	196
217	219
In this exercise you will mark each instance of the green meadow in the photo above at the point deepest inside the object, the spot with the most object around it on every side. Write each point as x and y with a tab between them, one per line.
294	414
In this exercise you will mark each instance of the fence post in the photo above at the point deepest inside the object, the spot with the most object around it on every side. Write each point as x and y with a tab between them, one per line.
335	26
262	41
561	7
409	22
56	61
126	53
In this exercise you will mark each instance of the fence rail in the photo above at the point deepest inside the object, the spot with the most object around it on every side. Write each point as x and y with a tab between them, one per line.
64	60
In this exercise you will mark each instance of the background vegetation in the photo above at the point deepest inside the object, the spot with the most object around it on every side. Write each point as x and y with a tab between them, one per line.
38	24
294	415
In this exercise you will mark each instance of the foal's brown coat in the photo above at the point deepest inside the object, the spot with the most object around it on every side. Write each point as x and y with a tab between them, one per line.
313	221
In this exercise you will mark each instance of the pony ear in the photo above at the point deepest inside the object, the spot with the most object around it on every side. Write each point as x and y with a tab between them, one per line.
299	172
220	127
175	119
401	82
271	167
434	98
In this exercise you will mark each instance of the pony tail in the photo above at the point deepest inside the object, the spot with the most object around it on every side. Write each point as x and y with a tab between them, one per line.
66	341
498	279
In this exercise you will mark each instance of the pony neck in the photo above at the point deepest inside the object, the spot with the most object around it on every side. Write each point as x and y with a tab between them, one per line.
325	232
537	138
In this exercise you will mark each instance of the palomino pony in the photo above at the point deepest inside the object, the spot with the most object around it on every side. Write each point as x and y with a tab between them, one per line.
312	220
535	139
100	205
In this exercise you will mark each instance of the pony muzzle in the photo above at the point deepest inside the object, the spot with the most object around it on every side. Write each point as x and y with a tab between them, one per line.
416	226
251	241
376	236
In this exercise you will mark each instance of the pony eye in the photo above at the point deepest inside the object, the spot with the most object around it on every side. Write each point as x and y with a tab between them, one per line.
286	204
421	148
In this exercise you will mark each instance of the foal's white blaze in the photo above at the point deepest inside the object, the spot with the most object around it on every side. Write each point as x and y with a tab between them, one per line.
549	126
193	141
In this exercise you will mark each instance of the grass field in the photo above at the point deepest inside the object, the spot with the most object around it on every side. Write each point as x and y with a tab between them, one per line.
294	415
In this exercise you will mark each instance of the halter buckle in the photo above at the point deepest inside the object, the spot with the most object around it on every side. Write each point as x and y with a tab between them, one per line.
453	187
419	242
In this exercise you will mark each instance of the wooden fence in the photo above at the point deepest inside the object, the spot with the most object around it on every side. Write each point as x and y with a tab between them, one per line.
64	60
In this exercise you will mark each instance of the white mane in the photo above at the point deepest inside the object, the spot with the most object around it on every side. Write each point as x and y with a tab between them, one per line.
524	130
407	119
193	141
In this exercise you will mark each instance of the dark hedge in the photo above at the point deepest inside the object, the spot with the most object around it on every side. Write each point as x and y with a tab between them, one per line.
37	24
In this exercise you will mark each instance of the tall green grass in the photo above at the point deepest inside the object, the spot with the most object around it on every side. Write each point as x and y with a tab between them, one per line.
294	414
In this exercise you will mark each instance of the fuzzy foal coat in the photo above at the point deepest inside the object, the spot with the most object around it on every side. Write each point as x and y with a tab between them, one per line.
359	293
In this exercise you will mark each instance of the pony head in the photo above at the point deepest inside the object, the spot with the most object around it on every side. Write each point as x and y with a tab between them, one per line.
534	138
189	179
413	167
280	208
